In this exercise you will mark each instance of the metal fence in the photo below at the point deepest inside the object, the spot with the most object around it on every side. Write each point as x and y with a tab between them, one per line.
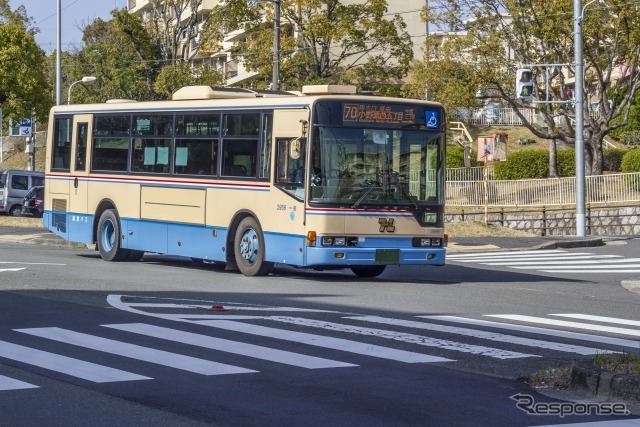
615	188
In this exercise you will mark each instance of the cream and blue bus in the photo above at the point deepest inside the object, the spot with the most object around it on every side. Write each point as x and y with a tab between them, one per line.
323	178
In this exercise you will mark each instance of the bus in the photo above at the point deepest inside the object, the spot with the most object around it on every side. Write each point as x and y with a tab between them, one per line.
324	178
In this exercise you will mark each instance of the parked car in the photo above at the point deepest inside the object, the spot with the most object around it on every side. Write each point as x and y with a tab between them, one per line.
33	203
14	185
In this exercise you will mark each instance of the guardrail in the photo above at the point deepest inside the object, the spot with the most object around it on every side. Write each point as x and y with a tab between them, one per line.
616	188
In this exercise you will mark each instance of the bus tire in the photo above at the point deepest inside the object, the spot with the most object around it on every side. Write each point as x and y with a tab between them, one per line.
368	271
249	249
108	238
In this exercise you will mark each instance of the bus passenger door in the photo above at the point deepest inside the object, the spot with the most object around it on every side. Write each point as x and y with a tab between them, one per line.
80	220
285	239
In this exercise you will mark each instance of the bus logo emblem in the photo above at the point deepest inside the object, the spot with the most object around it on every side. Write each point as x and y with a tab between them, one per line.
386	225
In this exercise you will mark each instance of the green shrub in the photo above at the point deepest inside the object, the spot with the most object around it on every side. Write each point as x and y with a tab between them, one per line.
613	159
522	165
630	138
534	164
631	161
455	157
565	162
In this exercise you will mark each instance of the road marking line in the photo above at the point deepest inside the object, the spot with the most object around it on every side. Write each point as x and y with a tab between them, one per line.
619	342
579	270
501	253
492	336
325	342
563	323
11	269
7	383
133	351
580	267
66	365
600	319
219	344
538	258
573	261
404	337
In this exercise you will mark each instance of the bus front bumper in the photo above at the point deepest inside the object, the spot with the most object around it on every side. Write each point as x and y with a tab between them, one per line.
347	256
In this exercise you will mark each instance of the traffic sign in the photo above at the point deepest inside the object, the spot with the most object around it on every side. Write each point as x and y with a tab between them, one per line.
23	127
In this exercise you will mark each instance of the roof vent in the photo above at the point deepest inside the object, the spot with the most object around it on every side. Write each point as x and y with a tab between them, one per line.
208	92
329	90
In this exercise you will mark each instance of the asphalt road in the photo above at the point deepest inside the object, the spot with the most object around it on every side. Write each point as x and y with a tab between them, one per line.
189	344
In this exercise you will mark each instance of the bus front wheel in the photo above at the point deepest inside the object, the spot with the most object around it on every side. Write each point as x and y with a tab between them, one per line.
368	271
109	237
249	249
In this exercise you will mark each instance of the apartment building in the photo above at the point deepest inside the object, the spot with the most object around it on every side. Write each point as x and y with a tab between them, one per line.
232	67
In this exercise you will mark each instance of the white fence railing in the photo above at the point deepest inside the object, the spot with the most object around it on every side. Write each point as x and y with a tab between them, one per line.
544	192
475	173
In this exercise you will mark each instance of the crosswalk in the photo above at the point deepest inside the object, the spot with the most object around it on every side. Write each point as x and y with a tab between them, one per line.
313	340
552	261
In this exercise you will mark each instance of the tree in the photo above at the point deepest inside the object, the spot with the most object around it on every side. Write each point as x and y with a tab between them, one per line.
322	41
494	36
121	54
23	80
175	27
173	77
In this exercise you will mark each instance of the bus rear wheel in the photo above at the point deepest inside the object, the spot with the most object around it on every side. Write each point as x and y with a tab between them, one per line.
249	249
109	237
368	271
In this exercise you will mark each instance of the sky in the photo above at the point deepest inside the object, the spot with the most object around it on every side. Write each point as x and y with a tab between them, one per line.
75	15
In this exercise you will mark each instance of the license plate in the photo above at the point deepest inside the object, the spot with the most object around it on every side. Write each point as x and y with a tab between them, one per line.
387	256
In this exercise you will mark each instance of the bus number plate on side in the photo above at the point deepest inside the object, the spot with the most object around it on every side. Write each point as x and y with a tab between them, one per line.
387	256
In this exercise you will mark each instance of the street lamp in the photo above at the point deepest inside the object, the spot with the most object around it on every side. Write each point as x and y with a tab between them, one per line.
85	79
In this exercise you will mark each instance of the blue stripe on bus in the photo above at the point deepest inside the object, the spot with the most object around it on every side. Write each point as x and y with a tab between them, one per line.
207	242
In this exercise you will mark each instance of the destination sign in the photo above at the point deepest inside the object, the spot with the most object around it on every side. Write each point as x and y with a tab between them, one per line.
380	114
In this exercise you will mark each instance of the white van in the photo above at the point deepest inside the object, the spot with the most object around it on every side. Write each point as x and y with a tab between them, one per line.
14	185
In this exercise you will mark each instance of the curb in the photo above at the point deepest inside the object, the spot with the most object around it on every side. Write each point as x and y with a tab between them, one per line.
565	244
605	385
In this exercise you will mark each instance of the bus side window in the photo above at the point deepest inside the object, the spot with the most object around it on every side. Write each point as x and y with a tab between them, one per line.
61	153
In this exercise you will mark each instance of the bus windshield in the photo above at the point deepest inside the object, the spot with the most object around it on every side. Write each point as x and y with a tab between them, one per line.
377	168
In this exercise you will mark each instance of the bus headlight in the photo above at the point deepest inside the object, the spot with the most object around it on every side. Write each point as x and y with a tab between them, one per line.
339	241
425	242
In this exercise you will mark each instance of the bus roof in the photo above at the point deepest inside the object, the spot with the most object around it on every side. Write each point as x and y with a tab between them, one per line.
206	97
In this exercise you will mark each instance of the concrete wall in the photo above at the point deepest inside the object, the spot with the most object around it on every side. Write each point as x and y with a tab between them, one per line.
618	221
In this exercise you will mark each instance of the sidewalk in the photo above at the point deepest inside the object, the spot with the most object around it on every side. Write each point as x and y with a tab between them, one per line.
467	244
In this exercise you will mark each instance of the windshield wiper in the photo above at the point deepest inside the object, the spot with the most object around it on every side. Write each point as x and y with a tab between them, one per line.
364	194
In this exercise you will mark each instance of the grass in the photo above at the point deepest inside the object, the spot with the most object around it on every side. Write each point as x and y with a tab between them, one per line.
28	222
626	363
553	378
560	378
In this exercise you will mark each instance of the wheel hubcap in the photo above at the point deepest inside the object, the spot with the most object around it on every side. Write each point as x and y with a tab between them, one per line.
249	246
108	235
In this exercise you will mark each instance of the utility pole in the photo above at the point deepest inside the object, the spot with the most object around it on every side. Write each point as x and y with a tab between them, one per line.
578	12
276	44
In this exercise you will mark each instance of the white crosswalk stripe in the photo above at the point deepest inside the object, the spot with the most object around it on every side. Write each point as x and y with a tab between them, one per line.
575	325
325	342
165	358
525	332
7	383
405	337
492	336
229	346
617	342
66	365
552	261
